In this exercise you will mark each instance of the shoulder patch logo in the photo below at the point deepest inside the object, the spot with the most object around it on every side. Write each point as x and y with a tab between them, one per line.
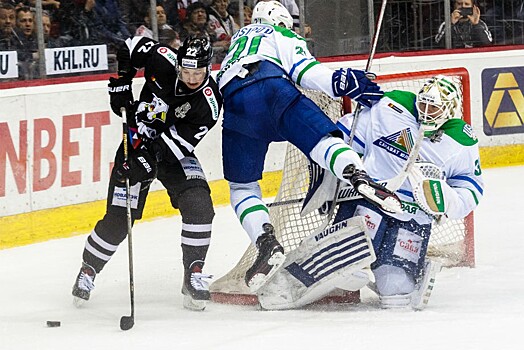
212	102
468	130
398	144
168	55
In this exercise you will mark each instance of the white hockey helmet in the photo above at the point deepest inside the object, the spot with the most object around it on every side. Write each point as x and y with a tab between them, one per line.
438	101
273	13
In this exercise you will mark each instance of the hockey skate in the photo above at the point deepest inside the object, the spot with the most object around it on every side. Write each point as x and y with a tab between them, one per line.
270	258
196	287
371	191
84	284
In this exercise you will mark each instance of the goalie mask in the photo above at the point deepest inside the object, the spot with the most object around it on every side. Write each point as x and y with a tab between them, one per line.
194	61
437	102
272	13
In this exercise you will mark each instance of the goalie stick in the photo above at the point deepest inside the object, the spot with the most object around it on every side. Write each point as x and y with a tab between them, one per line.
127	322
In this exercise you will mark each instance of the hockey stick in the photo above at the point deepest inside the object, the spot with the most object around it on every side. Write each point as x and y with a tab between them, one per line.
127	322
349	193
357	111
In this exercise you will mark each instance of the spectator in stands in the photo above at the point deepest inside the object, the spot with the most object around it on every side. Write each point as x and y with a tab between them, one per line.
467	29
234	11
113	29
195	23
50	41
27	46
78	23
221	27
177	10
9	40
133	12
146	30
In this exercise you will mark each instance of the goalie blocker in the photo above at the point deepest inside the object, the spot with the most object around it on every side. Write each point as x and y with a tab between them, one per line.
324	261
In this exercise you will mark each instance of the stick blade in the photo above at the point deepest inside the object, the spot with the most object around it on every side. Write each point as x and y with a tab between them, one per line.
127	322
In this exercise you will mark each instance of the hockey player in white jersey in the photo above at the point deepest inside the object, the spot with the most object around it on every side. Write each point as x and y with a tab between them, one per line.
452	189
446	182
262	105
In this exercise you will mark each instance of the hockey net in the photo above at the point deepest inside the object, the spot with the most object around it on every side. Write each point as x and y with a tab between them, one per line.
451	242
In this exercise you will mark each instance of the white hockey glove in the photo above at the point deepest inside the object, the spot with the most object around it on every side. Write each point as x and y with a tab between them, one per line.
434	196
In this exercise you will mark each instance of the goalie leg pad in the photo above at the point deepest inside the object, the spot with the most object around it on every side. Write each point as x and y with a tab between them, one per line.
323	261
322	187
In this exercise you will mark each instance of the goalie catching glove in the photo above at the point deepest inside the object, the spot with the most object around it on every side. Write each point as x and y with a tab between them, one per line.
434	196
371	191
357	85
139	167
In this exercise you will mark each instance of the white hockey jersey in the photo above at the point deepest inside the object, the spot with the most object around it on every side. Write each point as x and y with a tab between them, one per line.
386	132
261	42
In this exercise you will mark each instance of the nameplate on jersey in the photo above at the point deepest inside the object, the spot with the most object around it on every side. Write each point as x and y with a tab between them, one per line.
119	196
168	55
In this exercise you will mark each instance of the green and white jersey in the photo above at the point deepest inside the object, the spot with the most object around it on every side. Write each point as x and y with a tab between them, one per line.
385	135
261	42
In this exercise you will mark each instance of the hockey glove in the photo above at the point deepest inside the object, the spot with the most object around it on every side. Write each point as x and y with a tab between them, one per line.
356	85
151	118
434	196
140	167
120	94
371	191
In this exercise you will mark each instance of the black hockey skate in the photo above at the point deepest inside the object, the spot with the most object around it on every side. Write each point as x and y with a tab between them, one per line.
372	191
84	284
195	287
270	258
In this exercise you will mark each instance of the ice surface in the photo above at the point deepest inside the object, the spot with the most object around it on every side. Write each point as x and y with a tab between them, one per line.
480	308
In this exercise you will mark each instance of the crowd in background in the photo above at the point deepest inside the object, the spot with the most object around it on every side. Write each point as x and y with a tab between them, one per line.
110	22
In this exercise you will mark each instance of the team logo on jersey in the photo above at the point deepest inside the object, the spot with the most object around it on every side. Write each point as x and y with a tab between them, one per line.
181	111
468	130
399	144
168	55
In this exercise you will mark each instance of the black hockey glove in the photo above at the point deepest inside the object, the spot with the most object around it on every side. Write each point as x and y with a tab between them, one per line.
372	191
357	85
120	94
140	167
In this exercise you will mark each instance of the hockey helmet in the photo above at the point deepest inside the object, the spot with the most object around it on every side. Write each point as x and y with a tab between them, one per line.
195	52
273	13
438	101
194	61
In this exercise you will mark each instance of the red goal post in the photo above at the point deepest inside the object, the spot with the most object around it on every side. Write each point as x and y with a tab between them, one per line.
452	243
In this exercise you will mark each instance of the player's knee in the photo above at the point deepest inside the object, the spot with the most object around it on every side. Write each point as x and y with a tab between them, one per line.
393	280
112	228
196	206
240	191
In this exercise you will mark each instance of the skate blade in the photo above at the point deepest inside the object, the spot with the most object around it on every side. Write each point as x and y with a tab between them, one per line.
259	279
78	302
194	305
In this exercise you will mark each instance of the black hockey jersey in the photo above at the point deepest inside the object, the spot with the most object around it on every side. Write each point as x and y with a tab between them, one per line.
191	113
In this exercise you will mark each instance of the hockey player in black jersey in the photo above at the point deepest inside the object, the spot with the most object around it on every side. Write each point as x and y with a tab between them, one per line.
179	103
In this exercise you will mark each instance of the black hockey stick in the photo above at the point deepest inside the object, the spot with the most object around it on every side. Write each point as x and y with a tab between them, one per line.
127	322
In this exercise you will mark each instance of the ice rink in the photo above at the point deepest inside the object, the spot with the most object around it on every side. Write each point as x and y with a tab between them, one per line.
480	308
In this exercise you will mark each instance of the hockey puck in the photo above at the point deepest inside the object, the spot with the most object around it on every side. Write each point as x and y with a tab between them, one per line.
53	323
